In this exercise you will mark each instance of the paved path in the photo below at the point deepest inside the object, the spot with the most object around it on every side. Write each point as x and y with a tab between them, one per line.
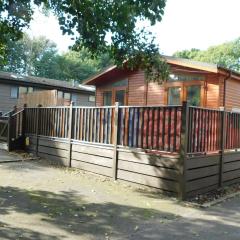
49	203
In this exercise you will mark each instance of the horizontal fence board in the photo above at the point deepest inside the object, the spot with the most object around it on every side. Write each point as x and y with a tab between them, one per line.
92	168
201	172
231	175
53	144
202	183
230	182
106	162
231	157
53	151
148	170
93	150
54	159
230	166
150	181
202	161
149	159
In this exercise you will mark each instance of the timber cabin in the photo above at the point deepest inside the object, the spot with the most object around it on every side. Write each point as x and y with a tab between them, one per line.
201	84
13	85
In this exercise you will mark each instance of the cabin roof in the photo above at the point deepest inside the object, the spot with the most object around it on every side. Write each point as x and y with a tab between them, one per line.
203	66
39	81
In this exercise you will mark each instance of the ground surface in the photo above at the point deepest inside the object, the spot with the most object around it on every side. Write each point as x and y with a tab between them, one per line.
50	203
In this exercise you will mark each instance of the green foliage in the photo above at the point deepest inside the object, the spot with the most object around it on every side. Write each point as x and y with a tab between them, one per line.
188	54
226	54
92	23
39	57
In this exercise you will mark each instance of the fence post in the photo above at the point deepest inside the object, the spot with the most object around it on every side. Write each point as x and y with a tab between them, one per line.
223	139
9	136
37	128
115	141
70	125
24	127
183	150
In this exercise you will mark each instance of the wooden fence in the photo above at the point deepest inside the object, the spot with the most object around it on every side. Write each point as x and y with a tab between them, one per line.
181	149
3	128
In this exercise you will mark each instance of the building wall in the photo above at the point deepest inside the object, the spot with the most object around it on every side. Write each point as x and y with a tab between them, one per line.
212	92
232	94
136	89
83	100
6	102
141	93
155	94
99	96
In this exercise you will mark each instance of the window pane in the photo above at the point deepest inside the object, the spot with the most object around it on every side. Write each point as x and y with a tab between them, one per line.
91	98
23	90
120	96
30	89
185	77
74	98
174	96
193	95
14	92
60	94
107	98
67	96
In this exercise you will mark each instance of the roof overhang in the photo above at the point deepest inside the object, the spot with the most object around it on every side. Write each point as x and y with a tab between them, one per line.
200	66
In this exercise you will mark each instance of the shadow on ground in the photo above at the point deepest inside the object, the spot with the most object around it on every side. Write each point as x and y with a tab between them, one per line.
70	212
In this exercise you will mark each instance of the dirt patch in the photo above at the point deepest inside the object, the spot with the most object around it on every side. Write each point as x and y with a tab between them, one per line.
216	195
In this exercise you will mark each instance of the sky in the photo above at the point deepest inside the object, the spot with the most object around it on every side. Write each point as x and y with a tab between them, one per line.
186	24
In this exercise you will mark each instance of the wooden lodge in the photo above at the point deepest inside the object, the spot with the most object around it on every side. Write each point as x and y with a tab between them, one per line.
202	84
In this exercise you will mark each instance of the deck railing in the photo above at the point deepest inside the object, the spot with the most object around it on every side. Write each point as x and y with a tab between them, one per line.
212	130
150	128
156	128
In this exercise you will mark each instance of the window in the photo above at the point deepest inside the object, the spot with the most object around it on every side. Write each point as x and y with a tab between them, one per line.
74	98
107	98
60	94
23	90
120	97
67	96
91	98
30	89
174	96
193	95
120	83
185	77
14	92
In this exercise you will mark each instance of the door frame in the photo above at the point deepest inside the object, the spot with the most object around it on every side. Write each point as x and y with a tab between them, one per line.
183	93
114	90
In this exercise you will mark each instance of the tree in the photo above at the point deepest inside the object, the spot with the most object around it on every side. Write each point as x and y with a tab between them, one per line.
94	22
188	54
226	54
39	57
24	56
